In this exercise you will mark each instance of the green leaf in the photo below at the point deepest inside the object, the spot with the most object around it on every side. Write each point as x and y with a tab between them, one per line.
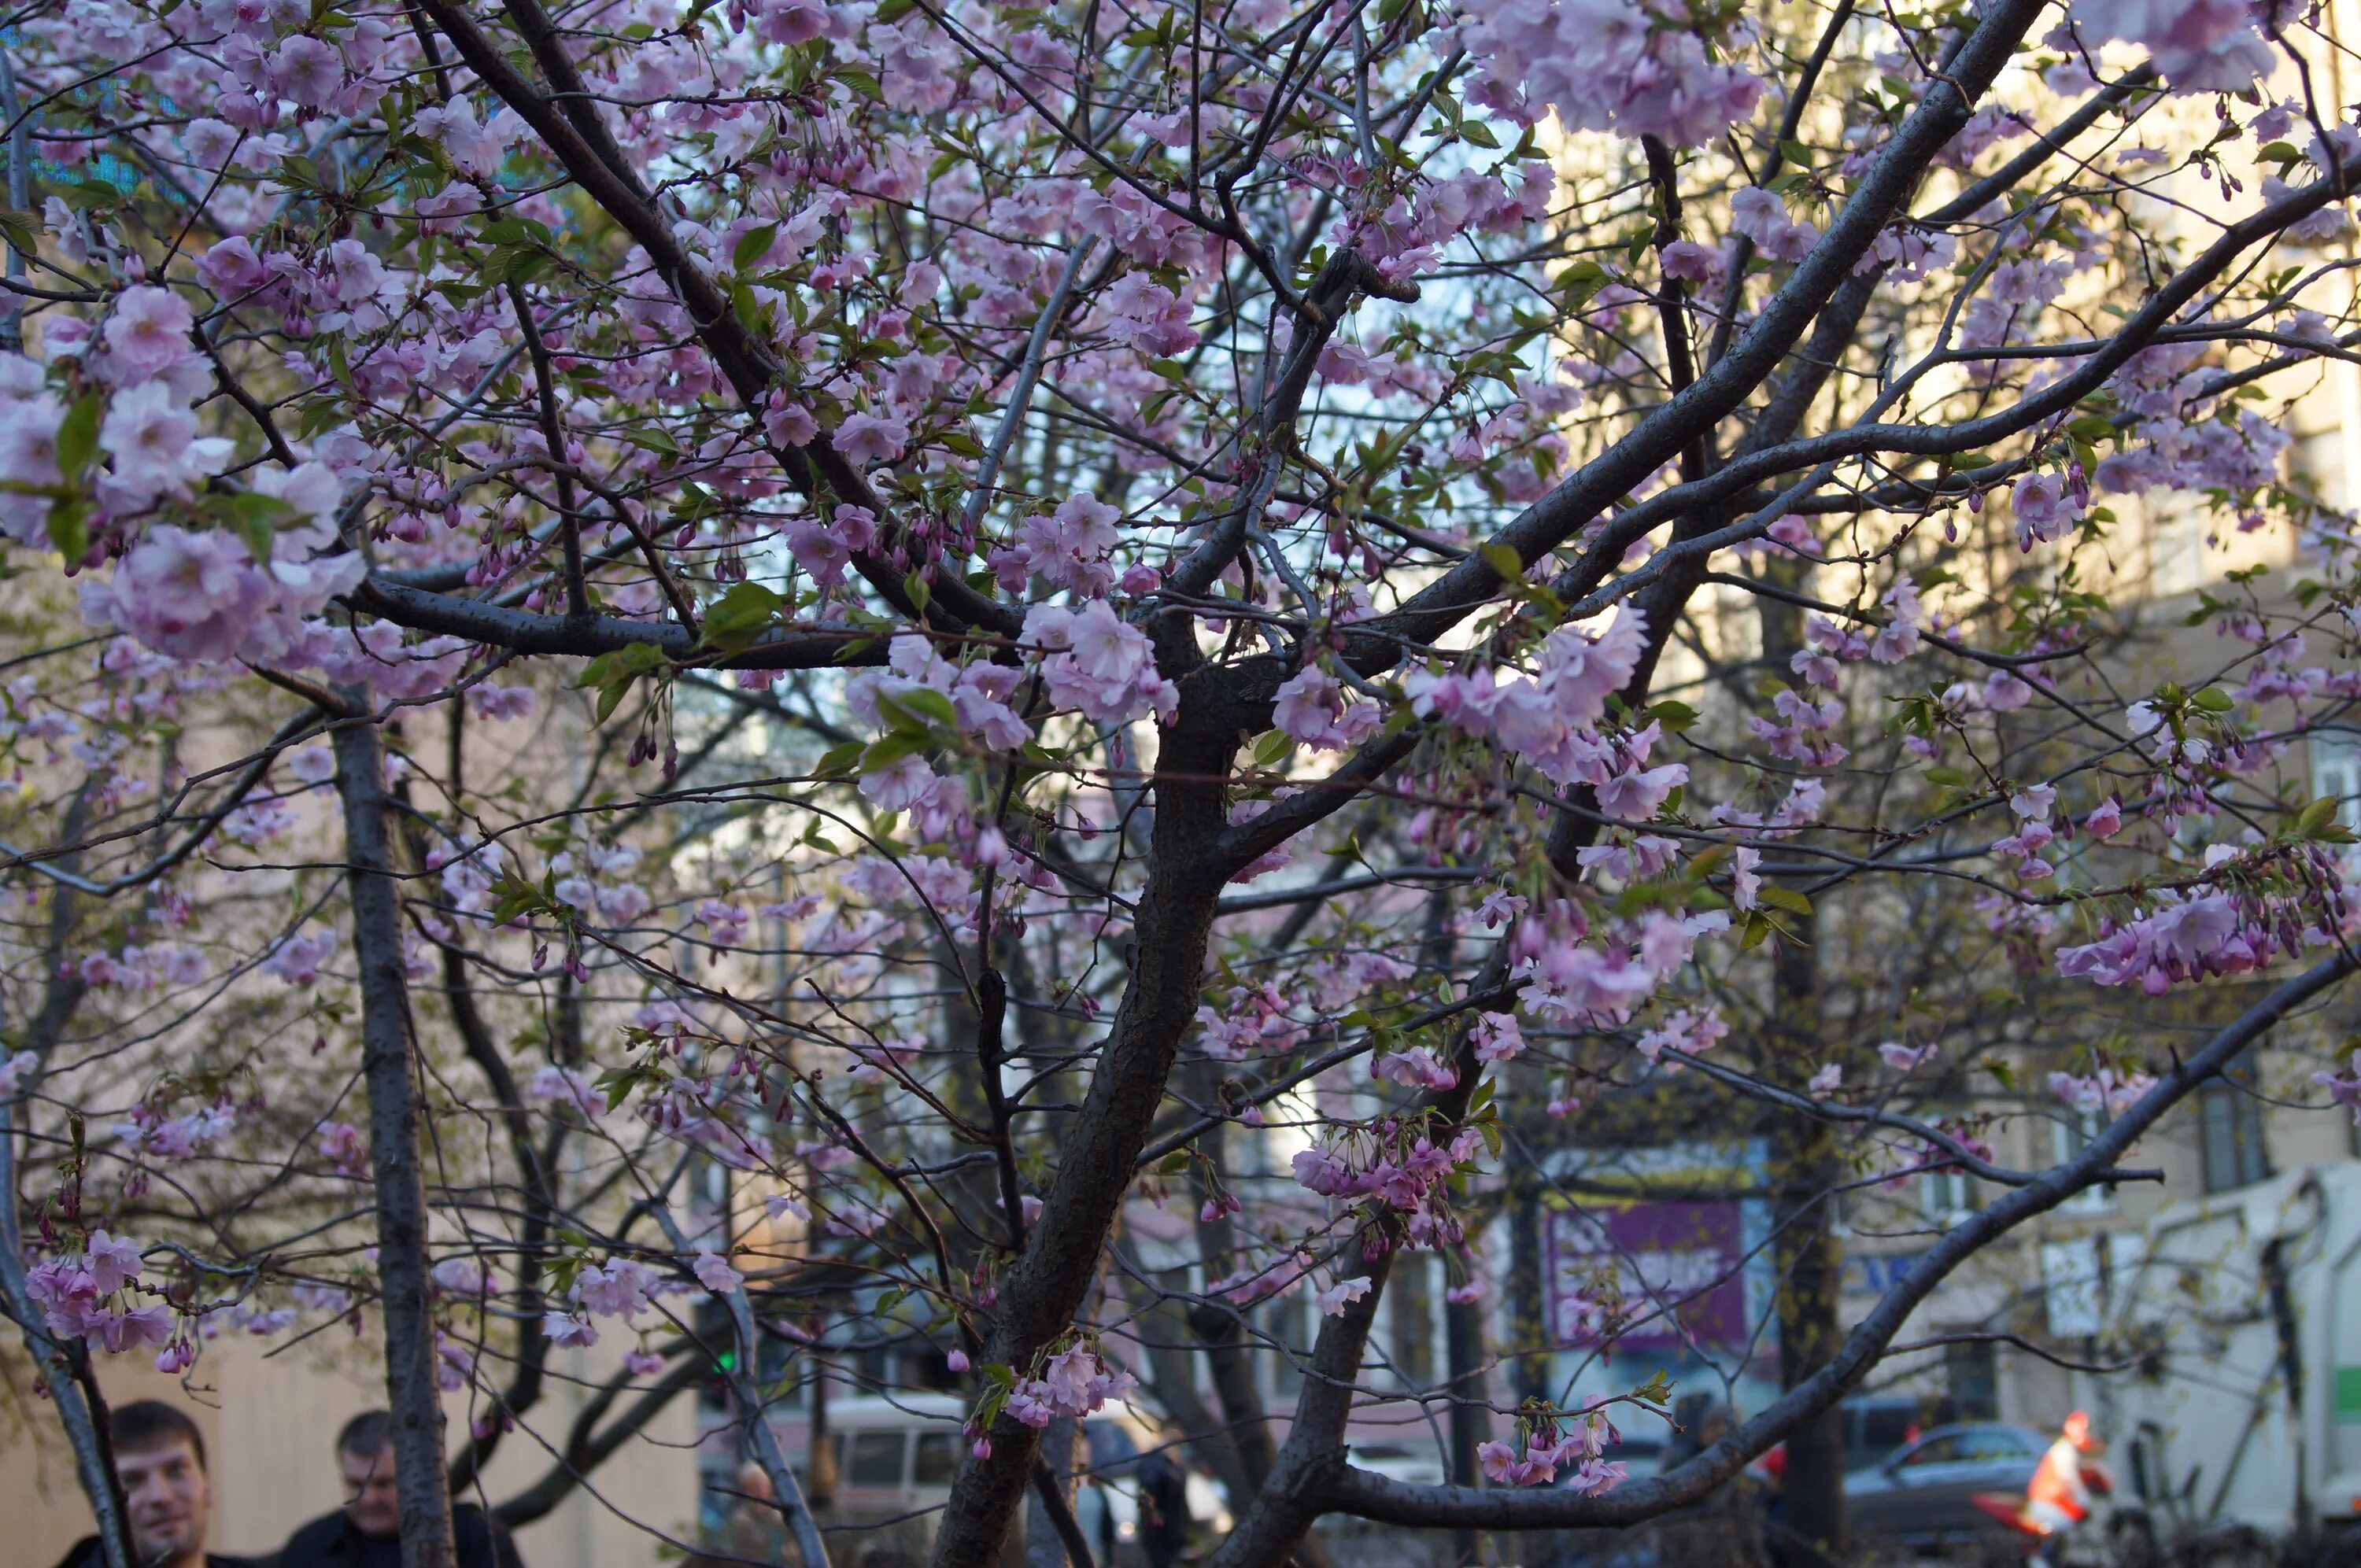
733	621
23	229
1785	898
2317	816
2213	699
1676	717
1271	747
753	246
255	519
78	433
882	754
613	674
929	703
1476	133
862	82
70	527
1505	560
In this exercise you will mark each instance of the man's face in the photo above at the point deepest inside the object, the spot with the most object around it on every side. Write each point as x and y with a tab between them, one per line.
370	1498
169	1497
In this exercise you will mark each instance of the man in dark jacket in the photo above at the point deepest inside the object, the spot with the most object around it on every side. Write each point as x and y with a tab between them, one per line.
160	1459
367	1532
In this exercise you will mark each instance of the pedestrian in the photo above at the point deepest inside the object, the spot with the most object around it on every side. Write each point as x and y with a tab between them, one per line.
168	1496
1163	1510
366	1531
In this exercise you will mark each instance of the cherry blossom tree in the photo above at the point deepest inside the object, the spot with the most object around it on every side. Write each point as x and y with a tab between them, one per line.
979	617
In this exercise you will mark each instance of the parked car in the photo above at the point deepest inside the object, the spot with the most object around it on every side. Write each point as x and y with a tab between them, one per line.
1417	1463
895	1458
1875	1425
1923	1494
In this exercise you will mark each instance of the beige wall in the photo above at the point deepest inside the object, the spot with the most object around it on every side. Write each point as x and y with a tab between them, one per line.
270	1423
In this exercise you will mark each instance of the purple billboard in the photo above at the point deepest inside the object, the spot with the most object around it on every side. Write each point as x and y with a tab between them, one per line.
1650	1276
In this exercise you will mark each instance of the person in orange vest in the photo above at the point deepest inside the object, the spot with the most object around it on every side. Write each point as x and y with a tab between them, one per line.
2059	1496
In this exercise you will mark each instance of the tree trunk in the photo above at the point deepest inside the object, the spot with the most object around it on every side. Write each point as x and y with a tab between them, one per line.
1042	1291
1528	1292
1803	1173
1060	1443
401	1214
50	1364
1471	1422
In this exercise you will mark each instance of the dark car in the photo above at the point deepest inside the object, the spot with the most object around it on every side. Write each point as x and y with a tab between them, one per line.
1923	1494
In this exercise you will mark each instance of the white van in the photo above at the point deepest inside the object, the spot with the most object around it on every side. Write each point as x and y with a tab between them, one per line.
895	1457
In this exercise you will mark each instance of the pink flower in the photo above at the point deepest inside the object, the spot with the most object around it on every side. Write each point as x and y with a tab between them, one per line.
2346	1092
1417	1067
148	331
152	436
619	1289
1901	1058
1497	1037
307	71
230	268
2044	509
901	785
1343	1294
715	1274
864	439
1635	794
112	1262
462	1276
790	22
116	1332
643	1363
1691	262
1826	1081
569	1329
789	425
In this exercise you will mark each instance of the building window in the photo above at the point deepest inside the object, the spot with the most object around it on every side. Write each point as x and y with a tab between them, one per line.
1947	1196
2074	1130
2336	772
1971	1375
2230	1125
1410	1294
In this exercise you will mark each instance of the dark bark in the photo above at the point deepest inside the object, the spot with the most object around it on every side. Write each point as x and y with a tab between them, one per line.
1279	1522
389	1074
1292	1501
1043	1288
1527	1304
1218	1326
1051	1537
1804	1170
1471	1421
51	1361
